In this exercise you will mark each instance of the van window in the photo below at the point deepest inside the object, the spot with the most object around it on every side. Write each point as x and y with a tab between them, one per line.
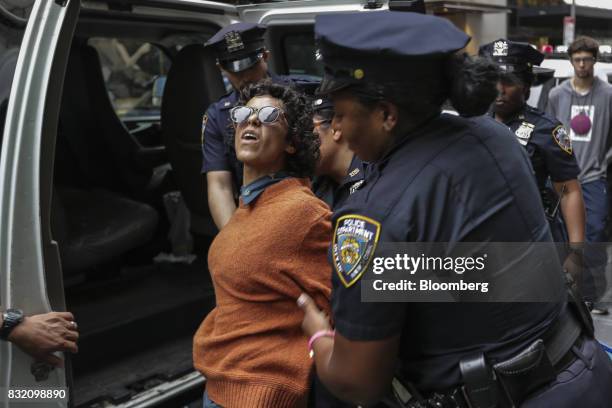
134	72
13	20
300	51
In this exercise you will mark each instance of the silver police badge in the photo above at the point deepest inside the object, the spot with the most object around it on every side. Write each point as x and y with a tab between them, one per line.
355	186
563	139
353	246
523	133
500	49
233	41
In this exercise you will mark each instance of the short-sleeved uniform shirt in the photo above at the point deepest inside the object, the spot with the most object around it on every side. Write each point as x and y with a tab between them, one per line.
218	134
335	194
548	145
433	187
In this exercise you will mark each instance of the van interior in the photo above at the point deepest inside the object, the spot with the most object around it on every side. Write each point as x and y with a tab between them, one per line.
134	92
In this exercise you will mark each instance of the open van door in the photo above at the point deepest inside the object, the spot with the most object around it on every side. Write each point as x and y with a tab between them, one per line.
54	75
32	272
24	229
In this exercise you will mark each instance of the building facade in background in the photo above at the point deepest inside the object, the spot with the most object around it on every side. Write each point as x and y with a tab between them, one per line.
541	21
483	20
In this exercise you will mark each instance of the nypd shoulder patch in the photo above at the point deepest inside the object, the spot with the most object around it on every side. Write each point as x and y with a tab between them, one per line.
562	138
355	240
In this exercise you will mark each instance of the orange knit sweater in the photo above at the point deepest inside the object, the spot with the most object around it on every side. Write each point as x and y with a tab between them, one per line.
251	348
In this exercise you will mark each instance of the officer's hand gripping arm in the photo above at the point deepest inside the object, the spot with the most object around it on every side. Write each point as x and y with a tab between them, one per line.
356	371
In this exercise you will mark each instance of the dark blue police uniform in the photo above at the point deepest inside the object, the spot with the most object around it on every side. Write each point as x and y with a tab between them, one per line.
549	148
217	134
325	187
335	194
432	186
544	138
238	47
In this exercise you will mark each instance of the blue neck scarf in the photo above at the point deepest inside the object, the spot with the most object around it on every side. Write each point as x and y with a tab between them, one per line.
254	189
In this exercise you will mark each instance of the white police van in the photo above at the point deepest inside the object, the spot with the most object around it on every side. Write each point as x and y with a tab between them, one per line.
100	113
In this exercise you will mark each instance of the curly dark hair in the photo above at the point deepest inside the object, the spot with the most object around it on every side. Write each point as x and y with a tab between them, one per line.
298	113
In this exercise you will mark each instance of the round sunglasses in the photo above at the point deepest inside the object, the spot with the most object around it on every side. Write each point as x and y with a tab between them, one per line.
266	114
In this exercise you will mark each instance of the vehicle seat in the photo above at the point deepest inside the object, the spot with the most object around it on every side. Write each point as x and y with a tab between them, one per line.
96	226
193	83
100	151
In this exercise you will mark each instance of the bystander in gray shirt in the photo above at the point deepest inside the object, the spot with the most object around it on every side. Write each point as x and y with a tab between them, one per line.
591	148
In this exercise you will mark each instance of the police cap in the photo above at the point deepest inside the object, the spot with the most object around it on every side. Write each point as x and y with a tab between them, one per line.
322	104
238	46
382	47
511	56
516	58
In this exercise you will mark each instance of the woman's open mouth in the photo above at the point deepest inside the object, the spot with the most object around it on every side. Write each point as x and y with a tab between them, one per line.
249	137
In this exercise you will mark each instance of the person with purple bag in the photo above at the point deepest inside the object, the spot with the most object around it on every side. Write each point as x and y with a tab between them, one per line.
584	105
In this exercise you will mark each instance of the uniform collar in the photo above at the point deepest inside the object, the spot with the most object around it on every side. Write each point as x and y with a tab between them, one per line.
401	141
230	100
520	115
251	191
355	173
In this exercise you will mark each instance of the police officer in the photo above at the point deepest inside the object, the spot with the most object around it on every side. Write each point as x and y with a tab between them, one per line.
242	58
543	137
339	171
388	74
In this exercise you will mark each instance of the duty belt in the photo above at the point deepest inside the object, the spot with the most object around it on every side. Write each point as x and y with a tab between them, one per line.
508	383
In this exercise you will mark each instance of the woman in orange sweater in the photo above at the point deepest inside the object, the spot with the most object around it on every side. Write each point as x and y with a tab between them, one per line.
250	347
